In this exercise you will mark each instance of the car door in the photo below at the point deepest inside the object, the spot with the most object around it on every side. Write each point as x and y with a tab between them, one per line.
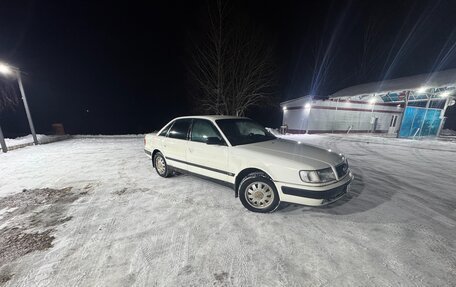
207	151
175	144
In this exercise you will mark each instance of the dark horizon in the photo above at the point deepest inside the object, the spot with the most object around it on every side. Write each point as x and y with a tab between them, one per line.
115	69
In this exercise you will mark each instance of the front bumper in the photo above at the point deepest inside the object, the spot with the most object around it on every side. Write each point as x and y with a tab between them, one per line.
314	196
327	194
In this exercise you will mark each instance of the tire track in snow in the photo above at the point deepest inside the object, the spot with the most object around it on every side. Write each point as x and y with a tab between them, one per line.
55	257
380	238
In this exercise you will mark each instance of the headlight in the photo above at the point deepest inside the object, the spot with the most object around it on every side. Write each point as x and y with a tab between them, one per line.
326	175
317	176
309	176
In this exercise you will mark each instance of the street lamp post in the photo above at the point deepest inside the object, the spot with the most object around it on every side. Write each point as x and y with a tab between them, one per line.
27	109
372	102
2	141
6	70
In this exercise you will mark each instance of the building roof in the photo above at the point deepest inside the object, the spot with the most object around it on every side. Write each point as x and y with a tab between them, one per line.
210	117
433	80
303	98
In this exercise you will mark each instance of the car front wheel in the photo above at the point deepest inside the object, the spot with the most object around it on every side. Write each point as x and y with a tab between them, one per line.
258	193
160	165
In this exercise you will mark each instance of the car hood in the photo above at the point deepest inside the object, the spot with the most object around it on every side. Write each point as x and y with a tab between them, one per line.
298	152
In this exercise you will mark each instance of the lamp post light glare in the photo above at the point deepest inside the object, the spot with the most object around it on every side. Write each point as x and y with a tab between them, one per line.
307	107
445	94
5	69
422	90
8	70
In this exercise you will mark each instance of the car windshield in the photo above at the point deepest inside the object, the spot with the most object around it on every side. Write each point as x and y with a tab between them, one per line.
244	131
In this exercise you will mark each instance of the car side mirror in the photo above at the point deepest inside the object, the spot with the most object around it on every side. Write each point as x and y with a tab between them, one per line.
214	141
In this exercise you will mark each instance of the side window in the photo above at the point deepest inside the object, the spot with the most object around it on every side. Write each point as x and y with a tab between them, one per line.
165	130
180	129
202	130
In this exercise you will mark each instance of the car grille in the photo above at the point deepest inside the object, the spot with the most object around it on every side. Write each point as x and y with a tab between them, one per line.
342	169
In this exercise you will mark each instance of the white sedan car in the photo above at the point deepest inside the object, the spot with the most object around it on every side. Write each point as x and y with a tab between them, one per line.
263	170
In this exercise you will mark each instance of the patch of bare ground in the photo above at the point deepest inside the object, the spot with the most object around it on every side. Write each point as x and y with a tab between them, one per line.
5	278
16	242
29	219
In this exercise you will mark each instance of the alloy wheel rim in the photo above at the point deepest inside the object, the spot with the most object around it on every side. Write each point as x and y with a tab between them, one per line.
259	195
160	164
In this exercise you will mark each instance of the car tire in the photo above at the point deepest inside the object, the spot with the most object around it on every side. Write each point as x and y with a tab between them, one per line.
258	193
161	167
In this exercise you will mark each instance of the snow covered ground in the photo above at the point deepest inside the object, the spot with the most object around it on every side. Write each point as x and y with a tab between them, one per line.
118	224
28	140
448	132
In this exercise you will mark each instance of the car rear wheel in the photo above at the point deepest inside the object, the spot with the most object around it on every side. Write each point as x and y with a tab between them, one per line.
258	193
160	165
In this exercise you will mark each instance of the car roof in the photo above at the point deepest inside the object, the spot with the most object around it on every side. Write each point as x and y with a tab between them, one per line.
211	117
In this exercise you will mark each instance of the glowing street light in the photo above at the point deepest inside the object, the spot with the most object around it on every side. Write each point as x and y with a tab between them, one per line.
7	70
422	90
372	102
445	94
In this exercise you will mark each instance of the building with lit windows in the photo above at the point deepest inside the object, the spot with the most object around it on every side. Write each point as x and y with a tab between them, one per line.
408	107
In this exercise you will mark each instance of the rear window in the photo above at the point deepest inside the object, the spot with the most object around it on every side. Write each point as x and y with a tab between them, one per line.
166	129
179	129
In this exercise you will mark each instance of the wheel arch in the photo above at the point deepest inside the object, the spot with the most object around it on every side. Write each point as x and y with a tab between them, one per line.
242	174
153	154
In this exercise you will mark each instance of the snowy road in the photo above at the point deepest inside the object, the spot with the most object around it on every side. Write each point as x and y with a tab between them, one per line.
123	225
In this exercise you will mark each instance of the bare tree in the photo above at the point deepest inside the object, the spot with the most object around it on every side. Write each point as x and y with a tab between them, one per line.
8	95
8	99
231	66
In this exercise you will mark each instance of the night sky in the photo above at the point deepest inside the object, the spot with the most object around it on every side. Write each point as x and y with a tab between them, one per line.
114	68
